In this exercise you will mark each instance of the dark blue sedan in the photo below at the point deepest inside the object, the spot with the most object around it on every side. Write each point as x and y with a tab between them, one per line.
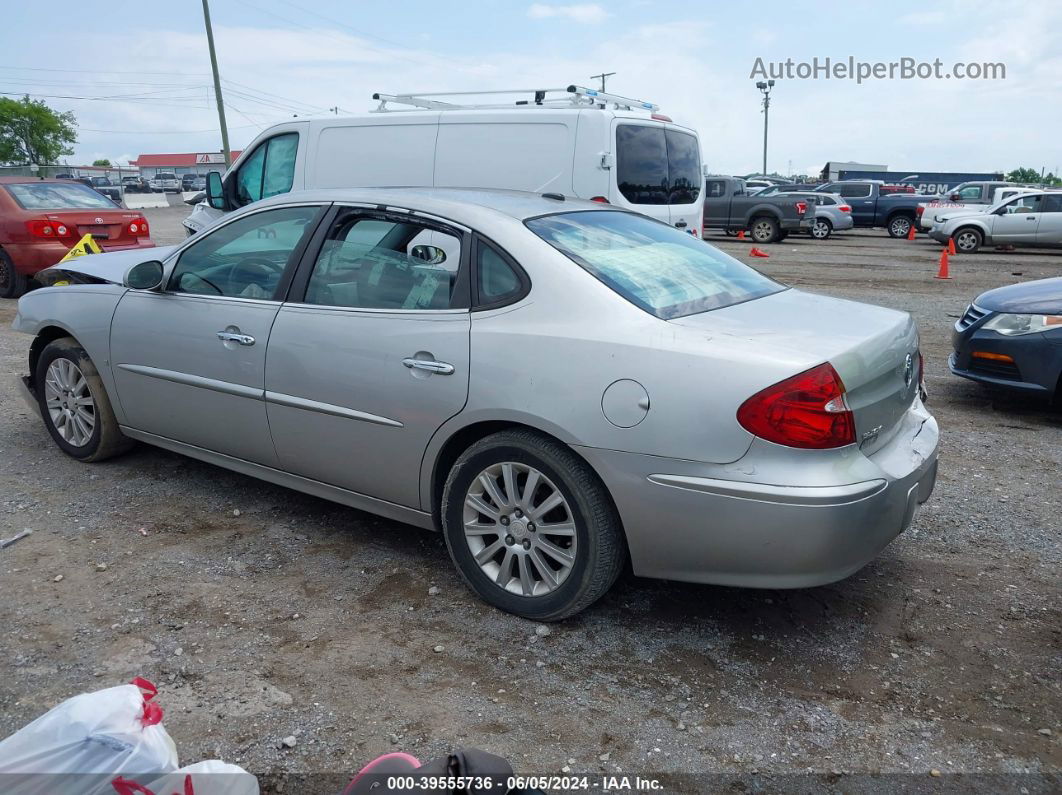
1011	337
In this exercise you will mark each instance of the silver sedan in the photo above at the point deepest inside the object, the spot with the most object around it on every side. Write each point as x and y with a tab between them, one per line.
559	387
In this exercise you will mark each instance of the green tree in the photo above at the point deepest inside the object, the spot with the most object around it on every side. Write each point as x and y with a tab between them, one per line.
102	162
1024	175
31	132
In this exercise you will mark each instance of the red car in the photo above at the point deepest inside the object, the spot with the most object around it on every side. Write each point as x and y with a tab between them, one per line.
41	219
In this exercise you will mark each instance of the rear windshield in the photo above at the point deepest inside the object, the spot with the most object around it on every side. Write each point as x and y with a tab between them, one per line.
656	267
165	176
657	166
55	196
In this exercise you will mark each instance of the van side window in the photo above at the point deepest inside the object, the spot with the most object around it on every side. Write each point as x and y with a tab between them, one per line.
270	170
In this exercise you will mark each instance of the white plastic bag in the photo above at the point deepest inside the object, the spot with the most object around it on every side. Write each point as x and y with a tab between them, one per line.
210	777
80	746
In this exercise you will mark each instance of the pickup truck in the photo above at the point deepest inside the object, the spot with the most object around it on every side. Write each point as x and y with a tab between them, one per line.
107	188
873	207
969	196
728	206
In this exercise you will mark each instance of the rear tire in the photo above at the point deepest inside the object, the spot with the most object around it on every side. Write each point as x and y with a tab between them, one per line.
74	404
12	283
765	229
899	225
821	229
968	240
544	566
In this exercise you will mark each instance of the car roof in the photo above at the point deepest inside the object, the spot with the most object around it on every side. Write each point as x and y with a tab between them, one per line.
448	202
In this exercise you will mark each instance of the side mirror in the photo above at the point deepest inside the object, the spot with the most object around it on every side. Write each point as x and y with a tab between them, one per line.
433	255
955	197
215	191
144	276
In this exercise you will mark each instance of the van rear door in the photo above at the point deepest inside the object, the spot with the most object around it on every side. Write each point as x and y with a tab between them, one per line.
658	172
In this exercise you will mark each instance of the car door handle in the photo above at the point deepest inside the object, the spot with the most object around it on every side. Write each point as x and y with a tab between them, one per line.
681	224
232	336
1030	218
442	368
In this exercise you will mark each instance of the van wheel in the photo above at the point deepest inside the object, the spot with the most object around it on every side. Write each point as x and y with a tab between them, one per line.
74	403
899	226
821	229
530	527
968	240
12	283
765	230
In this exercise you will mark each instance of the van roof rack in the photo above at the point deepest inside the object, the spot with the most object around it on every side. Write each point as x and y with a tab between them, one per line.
572	96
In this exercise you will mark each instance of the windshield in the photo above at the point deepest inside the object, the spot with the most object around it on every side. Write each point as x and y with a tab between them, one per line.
656	267
55	196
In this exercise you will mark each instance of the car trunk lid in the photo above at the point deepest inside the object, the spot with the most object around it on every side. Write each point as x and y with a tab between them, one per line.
873	349
109	228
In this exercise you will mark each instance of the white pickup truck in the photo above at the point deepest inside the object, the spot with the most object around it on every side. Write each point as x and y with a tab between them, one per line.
968	197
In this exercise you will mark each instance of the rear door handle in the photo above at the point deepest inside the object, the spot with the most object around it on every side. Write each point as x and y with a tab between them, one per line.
232	336
432	366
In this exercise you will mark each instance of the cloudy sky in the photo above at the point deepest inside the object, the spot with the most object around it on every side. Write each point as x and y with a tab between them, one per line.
137	77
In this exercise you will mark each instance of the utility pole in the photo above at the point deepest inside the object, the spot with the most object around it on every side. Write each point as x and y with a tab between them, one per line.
217	86
765	89
602	78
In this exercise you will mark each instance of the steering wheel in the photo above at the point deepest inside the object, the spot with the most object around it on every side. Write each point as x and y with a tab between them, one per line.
258	270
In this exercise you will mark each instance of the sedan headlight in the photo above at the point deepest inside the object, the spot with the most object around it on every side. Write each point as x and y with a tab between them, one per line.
1017	325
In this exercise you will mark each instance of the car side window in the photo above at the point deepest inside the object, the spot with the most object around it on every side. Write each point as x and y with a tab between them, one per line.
970	192
269	171
855	191
369	262
496	280
715	188
1052	204
244	258
1025	204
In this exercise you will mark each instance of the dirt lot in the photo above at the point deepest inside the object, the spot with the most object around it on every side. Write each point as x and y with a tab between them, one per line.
263	613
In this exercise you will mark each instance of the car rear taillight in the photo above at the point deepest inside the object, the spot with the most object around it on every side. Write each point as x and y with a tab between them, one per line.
844	208
802	207
919	210
48	229
601	199
139	227
807	411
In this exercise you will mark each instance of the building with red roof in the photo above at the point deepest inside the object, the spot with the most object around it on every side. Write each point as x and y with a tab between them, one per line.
181	163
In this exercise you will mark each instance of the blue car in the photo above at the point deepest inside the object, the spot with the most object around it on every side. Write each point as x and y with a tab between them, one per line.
1011	337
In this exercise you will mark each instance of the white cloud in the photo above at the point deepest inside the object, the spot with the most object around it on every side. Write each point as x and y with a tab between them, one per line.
590	13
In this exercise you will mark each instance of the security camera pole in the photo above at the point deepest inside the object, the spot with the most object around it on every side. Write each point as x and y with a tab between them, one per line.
217	86
765	89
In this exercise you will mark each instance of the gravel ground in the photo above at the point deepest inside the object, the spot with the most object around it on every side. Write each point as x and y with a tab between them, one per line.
262	613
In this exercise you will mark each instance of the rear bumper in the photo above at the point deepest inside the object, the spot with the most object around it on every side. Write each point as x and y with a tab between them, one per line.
711	526
842	222
32	257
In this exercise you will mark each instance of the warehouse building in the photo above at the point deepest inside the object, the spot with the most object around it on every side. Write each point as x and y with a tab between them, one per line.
181	163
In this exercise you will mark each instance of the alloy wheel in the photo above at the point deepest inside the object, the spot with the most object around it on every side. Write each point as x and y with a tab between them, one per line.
821	230
520	529
900	227
762	232
70	405
966	241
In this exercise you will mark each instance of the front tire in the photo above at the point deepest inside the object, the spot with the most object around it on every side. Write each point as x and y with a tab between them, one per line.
821	229
765	230
968	240
530	527
74	404
12	283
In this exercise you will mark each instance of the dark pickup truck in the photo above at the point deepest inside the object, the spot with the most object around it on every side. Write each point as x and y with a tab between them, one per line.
728	206
873	207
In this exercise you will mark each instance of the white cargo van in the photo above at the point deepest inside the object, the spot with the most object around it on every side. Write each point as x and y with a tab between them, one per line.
575	141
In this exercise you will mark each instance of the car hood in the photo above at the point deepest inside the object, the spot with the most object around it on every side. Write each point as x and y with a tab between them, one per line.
110	267
1043	296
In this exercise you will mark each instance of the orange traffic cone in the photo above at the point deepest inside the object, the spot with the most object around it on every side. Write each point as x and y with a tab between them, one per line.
741	234
943	272
911	232
755	252
951	246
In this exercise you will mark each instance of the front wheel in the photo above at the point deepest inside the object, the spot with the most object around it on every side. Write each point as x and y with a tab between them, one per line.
968	240
821	229
12	283
899	226
765	230
530	527
74	403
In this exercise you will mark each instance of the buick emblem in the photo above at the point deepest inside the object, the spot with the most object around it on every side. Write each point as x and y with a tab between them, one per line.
100	221
908	370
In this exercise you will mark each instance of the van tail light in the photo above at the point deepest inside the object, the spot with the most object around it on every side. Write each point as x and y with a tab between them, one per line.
660	117
601	199
139	227
844	208
802	207
48	229
808	411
